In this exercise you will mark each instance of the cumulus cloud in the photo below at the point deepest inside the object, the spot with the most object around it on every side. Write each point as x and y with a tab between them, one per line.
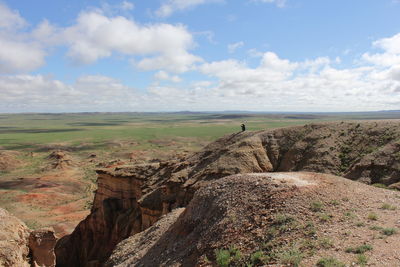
19	51
19	56
95	36
164	76
310	85
391	52
161	46
271	68
232	47
170	6
41	93
10	19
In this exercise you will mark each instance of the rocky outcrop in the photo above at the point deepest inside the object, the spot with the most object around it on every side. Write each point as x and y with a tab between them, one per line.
59	160
263	219
19	246
14	236
219	215
9	160
42	243
130	199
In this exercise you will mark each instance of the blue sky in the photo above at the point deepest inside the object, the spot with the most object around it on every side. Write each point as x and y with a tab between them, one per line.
171	55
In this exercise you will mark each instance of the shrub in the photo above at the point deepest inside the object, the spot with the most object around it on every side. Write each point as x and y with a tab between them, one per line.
283	218
350	215
387	206
376	228
291	257
362	259
316	206
360	224
389	231
309	229
335	202
324	217
257	257
360	249
284	222
326	242
223	257
330	262
372	216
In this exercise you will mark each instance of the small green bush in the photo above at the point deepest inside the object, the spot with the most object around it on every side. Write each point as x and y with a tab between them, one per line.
223	257
362	259
387	206
372	216
349	215
335	202
291	257
325	242
283	218
330	262
309	229
376	228
316	206
257	257
360	249
324	217
360	224
389	231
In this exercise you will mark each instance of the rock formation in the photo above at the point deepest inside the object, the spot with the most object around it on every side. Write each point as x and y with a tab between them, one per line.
60	160
14	236
130	199
257	219
9	160
19	247
42	243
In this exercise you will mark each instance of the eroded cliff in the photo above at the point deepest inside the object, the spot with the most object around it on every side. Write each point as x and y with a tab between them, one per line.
130	199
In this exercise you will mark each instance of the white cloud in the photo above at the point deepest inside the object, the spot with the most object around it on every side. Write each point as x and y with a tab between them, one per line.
19	50
10	19
391	52
19	56
271	68
126	5
390	45
232	47
40	93
170	6
95	36
163	75
278	3
311	85
162	46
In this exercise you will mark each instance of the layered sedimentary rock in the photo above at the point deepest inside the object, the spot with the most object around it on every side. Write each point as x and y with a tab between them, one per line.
130	199
41	244
14	236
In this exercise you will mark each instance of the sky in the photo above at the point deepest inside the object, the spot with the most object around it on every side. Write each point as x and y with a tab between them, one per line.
199	55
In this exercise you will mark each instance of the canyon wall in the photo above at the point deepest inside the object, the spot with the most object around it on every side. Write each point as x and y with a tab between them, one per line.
130	199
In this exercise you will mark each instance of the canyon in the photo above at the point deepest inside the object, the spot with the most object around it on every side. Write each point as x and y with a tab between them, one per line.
132	198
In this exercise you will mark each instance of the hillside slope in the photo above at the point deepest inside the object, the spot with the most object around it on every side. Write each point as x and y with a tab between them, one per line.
271	218
130	199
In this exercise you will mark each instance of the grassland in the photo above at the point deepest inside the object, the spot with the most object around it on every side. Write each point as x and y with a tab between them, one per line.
33	131
43	195
92	131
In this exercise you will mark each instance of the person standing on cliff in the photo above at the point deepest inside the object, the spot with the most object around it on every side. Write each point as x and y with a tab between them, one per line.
243	127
